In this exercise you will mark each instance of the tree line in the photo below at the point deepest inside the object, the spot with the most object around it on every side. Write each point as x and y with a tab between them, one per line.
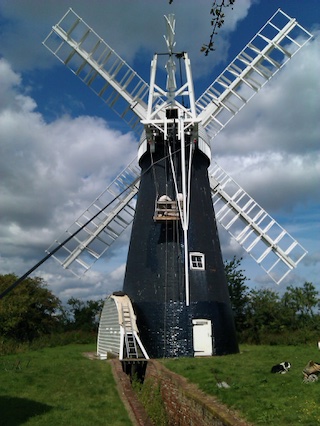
32	311
265	316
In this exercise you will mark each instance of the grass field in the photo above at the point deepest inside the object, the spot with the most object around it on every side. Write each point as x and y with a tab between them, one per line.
58	386
263	398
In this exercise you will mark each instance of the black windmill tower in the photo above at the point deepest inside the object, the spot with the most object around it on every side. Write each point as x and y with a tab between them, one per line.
175	273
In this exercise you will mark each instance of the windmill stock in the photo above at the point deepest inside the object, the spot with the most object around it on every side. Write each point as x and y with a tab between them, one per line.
174	272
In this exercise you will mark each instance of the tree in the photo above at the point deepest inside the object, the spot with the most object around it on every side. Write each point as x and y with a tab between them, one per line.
29	311
84	315
238	291
301	302
264	306
264	313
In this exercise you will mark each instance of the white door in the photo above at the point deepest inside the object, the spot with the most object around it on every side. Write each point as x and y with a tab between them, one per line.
202	337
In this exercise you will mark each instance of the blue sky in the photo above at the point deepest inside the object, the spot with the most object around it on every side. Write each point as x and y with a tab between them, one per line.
60	145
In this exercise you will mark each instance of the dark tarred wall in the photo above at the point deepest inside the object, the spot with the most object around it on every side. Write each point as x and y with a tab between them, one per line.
154	278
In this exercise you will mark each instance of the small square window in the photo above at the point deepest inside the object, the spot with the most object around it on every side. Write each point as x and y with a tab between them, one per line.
197	261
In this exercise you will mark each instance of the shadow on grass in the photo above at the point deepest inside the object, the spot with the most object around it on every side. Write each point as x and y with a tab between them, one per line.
16	411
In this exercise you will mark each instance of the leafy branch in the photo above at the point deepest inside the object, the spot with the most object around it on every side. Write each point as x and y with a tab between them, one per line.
217	20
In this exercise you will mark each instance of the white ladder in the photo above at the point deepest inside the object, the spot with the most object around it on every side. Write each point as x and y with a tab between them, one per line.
129	337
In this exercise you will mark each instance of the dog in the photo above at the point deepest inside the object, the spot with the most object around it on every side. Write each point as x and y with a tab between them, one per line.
281	368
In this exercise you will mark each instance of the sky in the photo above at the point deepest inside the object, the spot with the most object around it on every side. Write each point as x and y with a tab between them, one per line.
60	146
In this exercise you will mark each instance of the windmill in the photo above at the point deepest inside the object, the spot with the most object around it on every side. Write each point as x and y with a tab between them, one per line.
175	273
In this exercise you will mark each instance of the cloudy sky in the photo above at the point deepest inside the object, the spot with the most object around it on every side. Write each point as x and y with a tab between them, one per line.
60	145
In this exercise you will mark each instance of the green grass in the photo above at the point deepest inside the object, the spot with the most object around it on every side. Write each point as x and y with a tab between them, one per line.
263	398
151	399
58	386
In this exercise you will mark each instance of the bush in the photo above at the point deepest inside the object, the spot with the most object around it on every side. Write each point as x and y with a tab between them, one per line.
284	336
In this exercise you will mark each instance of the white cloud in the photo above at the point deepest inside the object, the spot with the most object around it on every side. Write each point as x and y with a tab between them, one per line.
49	172
125	25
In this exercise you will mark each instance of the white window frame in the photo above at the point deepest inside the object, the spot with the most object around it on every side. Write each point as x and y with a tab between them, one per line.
199	263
